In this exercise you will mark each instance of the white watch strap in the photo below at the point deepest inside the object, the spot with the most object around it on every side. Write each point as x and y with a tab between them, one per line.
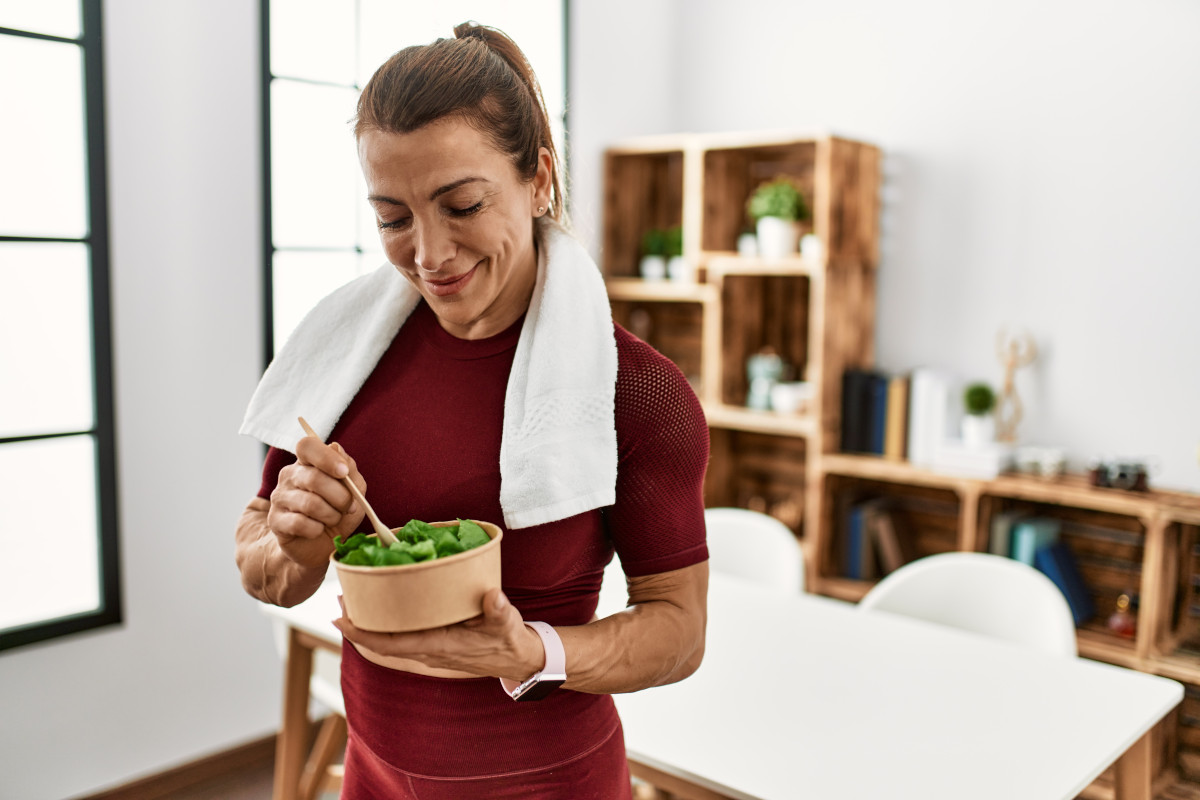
556	657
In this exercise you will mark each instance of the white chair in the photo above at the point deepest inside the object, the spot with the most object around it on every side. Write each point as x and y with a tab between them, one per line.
987	594
755	547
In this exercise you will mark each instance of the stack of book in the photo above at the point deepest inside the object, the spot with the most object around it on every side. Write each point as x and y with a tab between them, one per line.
914	416
875	413
1035	541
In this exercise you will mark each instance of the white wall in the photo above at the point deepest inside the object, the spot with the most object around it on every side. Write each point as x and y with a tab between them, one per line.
193	669
1042	173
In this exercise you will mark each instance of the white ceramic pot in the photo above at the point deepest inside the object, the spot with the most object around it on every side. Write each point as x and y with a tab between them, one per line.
978	429
777	238
678	269
653	268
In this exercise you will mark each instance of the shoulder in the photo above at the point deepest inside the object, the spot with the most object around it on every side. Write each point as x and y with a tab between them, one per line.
652	389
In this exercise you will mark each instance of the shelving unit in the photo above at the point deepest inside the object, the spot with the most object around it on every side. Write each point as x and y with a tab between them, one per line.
819	316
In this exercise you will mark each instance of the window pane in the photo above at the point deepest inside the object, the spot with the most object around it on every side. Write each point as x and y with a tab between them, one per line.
313	39
301	279
314	165
45	339
53	17
58	474
43	189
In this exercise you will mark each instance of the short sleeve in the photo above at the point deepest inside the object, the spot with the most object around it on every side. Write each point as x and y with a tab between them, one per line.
657	523
276	460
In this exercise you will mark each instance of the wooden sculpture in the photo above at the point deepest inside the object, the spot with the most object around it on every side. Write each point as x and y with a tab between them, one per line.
1015	351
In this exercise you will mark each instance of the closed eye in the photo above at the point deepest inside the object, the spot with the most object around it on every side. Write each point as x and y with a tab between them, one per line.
394	223
466	212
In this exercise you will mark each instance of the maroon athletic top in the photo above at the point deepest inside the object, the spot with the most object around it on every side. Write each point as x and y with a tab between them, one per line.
425	432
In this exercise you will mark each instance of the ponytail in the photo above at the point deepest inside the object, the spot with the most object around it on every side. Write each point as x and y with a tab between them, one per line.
481	75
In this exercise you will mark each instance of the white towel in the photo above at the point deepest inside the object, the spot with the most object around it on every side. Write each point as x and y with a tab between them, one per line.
558	451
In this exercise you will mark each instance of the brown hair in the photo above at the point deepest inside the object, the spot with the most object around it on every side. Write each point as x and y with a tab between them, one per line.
481	75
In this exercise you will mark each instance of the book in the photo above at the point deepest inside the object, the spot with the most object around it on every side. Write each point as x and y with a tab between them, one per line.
1058	564
895	436
892	547
856	410
986	460
860	562
1000	535
1032	534
877	403
931	413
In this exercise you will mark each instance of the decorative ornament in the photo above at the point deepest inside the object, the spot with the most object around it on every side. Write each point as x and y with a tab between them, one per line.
1013	352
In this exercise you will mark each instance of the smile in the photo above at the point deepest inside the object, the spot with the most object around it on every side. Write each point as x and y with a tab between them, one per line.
444	287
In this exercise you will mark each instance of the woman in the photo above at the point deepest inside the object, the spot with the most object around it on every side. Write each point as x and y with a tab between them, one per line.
463	177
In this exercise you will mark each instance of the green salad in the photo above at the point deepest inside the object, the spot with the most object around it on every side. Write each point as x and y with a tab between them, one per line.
418	541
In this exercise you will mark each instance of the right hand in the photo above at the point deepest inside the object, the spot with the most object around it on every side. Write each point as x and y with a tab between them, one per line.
311	504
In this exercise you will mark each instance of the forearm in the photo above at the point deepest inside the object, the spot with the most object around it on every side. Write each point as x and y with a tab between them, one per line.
268	574
651	643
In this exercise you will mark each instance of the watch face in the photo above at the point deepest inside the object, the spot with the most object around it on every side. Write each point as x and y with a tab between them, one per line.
536	690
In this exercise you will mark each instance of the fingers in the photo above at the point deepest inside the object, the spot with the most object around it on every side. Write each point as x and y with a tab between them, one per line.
330	459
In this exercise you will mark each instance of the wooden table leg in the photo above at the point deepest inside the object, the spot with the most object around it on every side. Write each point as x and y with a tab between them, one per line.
1133	771
293	733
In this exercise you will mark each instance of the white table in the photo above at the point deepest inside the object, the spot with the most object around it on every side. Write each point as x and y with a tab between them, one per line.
809	697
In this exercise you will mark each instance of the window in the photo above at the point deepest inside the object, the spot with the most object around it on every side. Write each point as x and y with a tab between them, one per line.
317	55
58	531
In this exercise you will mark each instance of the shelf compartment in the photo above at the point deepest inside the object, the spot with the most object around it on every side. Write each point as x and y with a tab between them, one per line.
1109	550
643	190
925	520
720	415
757	471
636	289
731	176
762	311
721	264
1180	635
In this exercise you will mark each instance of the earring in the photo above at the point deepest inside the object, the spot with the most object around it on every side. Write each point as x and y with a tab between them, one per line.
541	209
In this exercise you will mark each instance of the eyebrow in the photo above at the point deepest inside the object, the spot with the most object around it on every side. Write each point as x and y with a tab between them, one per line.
441	190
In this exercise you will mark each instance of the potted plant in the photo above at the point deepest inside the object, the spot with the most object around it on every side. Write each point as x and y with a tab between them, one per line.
776	207
979	425
653	265
677	267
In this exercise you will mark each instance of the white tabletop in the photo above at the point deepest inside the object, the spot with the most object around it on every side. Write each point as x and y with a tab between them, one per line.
807	696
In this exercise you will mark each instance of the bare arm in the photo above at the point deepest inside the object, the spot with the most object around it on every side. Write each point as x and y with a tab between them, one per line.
283	545
658	639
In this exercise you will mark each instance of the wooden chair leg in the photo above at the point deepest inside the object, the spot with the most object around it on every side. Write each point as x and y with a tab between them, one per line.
330	739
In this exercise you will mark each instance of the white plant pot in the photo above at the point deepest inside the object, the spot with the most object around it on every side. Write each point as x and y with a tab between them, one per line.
653	268
978	430
678	269
777	237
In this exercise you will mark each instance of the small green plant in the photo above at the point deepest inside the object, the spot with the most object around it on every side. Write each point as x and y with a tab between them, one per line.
673	238
979	399
781	198
654	242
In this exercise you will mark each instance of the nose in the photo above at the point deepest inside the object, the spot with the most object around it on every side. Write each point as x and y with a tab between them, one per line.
433	245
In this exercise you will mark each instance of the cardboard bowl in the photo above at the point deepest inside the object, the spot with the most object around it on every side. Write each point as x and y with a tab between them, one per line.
428	594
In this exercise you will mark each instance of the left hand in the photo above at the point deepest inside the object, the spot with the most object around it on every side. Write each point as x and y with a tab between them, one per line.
494	644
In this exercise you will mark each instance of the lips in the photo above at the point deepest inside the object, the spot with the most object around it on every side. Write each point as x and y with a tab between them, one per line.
444	287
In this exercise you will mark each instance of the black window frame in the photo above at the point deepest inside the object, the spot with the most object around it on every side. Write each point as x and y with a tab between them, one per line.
103	428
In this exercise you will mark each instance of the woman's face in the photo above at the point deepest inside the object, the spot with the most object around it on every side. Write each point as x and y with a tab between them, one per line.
456	220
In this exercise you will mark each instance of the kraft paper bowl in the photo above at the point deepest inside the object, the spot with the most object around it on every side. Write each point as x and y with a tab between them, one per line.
428	594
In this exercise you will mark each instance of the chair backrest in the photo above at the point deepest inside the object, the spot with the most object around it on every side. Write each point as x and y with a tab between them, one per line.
979	592
755	547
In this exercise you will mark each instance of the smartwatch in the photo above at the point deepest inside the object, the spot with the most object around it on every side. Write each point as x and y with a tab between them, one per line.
549	677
